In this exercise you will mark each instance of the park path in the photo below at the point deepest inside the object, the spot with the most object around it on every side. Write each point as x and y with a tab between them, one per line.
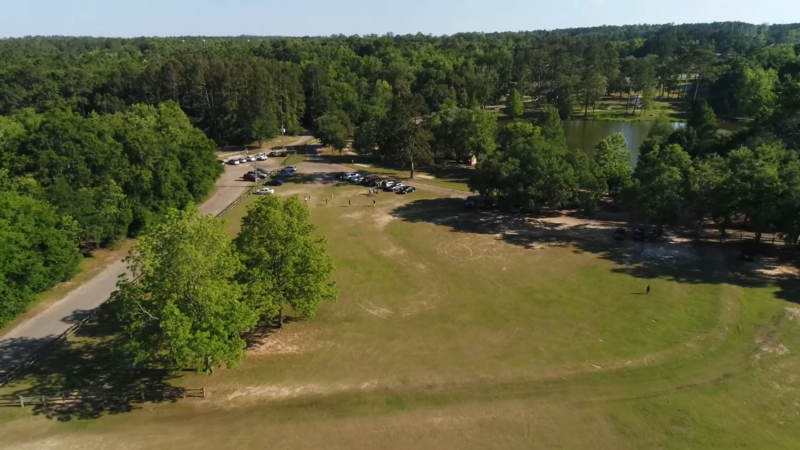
21	341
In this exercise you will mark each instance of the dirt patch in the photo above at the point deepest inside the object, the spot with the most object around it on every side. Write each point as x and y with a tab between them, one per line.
793	313
284	342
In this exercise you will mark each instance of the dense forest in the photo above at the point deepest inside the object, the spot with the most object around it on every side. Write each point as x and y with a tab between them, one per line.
98	136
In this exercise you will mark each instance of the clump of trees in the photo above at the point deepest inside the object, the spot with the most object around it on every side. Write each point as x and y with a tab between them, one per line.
196	292
88	182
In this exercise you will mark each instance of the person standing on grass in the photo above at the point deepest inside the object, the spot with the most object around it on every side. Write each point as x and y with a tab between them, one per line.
648	288
350	202
373	203
326	202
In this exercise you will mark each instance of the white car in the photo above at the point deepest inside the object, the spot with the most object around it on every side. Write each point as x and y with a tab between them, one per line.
261	157
251	158
234	161
265	191
292	168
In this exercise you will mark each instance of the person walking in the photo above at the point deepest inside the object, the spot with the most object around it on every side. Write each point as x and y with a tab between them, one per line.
350	202
373	203
648	288
326	202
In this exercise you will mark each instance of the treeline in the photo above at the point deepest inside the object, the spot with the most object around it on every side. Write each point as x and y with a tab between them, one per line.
687	177
71	184
242	90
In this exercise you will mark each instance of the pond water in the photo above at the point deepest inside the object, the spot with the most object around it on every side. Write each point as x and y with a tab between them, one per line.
585	134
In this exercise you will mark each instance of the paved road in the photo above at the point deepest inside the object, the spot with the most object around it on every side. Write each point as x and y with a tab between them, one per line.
22	340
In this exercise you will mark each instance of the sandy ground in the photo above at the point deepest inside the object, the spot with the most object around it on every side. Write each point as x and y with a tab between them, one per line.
20	341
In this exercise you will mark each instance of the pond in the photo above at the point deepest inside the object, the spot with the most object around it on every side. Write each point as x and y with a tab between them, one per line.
585	134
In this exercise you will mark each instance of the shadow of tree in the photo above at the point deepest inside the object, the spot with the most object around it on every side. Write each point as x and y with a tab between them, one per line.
684	262
93	377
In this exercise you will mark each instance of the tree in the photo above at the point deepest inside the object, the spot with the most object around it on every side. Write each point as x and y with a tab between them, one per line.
526	170
614	160
332	129
591	88
590	179
284	261
756	184
402	137
756	91
186	309
707	194
550	123
659	190
38	248
462	134
514	105
703	120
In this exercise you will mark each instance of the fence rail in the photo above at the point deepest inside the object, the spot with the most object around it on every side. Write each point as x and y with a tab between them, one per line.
102	395
46	348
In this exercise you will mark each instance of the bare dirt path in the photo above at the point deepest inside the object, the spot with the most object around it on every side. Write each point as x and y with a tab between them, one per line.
22	340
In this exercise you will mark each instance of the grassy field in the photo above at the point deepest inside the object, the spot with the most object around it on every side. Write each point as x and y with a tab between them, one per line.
465	329
610	109
614	109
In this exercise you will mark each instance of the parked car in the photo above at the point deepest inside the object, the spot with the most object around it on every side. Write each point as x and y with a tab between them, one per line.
262	171
233	162
471	201
397	187
250	158
355	179
272	154
619	234
242	160
275	182
387	185
249	177
264	191
292	168
407	190
261	157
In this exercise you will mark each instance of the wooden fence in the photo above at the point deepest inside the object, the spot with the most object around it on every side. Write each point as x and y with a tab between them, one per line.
41	351
102	396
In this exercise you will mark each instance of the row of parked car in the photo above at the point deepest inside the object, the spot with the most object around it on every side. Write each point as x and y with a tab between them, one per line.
261	173
258	157
377	183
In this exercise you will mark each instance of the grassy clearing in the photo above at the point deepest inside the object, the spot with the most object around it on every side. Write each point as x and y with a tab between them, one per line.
613	109
459	329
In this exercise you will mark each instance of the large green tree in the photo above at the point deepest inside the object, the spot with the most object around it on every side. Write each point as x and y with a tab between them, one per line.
514	105
527	170
403	138
284	260
462	134
614	160
333	129
182	307
660	185
38	247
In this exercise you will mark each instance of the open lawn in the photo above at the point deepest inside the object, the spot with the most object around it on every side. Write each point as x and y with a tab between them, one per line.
614	109
470	329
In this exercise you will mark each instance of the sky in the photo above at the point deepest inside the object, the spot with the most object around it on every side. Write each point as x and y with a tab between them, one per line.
131	18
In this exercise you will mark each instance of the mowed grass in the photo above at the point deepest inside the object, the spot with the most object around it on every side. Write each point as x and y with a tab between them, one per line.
452	333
